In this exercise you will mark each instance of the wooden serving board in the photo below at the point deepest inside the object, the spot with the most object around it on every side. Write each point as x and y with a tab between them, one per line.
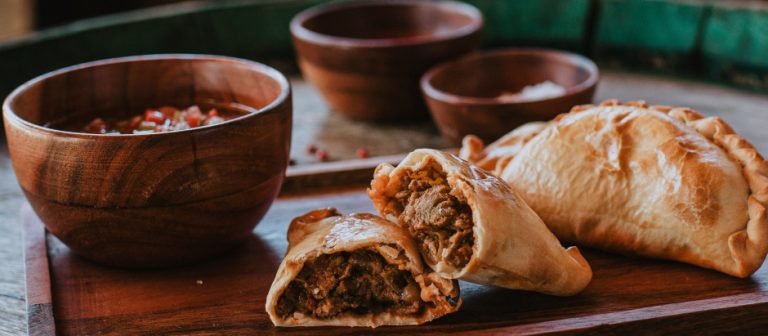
70	296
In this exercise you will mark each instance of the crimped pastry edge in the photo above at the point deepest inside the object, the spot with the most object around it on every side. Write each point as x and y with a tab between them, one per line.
748	246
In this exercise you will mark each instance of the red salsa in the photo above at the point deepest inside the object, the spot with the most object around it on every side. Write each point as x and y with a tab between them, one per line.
164	119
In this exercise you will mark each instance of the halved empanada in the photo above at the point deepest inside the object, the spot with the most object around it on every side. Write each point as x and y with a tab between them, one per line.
471	225
355	270
650	180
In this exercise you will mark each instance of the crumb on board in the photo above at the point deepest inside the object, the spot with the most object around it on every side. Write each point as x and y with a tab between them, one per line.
322	155
362	153
311	148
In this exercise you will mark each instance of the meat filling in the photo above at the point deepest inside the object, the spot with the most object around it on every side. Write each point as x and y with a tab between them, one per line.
358	282
440	220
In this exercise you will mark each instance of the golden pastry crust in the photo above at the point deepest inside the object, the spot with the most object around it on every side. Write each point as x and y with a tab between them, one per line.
326	232
665	182
512	247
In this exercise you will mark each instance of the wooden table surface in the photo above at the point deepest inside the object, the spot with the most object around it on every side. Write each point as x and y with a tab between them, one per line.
746	112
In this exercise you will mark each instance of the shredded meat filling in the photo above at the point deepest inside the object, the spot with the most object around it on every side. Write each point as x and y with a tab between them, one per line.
357	282
440	221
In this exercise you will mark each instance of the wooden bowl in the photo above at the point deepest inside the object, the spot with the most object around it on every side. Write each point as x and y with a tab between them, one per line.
472	95
366	57
151	200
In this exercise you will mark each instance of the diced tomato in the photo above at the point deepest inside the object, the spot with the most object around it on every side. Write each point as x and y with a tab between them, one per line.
194	116
362	152
321	155
163	119
193	121
154	116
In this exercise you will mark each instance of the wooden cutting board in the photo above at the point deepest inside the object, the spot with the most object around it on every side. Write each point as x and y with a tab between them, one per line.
70	296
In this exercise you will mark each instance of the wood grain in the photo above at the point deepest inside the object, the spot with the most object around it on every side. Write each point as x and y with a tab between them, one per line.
151	200
227	295
743	110
366	58
39	303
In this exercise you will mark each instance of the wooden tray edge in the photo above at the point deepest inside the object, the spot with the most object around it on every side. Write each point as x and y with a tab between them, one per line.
707	317
305	178
40	319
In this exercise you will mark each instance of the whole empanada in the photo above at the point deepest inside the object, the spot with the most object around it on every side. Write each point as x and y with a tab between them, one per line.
470	225
649	180
355	270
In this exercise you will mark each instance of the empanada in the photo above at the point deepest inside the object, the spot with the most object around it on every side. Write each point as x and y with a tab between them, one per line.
355	270
649	180
470	225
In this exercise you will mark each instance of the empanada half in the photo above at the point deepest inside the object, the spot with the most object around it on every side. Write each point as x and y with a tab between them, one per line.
655	181
355	270
470	225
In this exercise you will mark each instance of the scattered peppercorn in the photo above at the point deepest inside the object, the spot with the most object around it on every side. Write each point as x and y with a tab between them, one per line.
311	148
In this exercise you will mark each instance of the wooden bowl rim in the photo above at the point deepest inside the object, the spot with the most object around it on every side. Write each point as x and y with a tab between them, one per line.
300	32
285	89
432	92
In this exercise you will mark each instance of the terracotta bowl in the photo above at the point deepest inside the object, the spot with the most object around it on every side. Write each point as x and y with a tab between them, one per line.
476	94
151	200
366	57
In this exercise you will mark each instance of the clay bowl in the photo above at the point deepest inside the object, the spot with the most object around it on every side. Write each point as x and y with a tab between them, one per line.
475	94
151	200
366	57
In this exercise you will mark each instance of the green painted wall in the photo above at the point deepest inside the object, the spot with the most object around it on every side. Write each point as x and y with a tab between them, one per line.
735	44
739	34
543	22
722	40
662	25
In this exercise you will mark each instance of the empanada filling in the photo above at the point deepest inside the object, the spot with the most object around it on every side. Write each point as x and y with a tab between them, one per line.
358	282
437	216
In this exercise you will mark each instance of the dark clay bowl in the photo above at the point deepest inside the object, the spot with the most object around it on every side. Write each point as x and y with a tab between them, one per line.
475	94
366	57
151	200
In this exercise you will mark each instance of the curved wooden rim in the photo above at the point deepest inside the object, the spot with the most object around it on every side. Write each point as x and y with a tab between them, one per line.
285	90
432	92
300	32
